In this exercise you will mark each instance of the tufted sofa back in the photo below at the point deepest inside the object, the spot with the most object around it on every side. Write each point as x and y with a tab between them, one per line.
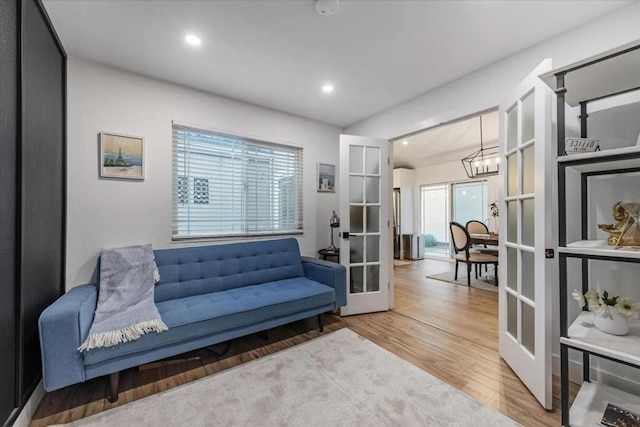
201	270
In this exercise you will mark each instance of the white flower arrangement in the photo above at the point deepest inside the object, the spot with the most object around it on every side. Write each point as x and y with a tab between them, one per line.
602	304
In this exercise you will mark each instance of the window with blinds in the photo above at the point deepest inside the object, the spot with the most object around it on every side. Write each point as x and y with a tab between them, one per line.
229	186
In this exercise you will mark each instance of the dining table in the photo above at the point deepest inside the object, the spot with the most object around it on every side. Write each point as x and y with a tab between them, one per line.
490	239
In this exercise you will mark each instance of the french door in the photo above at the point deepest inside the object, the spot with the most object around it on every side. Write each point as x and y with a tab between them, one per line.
526	230
366	213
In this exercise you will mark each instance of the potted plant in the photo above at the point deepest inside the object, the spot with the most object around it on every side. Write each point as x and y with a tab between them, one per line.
493	207
611	313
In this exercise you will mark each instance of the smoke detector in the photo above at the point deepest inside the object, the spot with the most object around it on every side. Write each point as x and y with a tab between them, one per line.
327	7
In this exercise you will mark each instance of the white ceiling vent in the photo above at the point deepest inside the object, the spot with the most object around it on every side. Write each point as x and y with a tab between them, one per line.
327	7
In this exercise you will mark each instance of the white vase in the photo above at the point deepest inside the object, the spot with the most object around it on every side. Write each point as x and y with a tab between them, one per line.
615	323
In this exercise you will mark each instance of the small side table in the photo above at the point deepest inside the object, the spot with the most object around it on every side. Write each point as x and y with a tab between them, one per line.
325	254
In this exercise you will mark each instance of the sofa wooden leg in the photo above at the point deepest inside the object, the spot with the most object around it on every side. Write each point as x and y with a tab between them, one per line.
320	324
114	383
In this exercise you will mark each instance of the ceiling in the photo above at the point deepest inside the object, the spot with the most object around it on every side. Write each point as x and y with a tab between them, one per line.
279	53
446	143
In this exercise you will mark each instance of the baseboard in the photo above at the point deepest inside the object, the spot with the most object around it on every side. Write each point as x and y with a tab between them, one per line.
575	376
24	419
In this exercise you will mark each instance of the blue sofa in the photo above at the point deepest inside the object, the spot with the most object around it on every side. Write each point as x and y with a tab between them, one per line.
206	295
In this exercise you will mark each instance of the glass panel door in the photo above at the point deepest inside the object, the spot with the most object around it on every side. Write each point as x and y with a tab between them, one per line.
526	230
521	223
365	208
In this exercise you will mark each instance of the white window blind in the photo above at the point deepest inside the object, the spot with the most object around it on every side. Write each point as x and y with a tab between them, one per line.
229	186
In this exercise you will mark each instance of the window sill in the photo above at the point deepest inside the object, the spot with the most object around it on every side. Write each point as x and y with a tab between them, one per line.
235	237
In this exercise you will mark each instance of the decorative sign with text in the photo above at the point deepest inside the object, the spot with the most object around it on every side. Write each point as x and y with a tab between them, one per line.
581	145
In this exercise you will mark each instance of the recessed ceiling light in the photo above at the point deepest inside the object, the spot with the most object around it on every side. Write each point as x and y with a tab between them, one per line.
405	142
193	40
327	88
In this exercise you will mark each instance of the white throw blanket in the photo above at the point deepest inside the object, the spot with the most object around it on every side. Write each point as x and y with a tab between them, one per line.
126	309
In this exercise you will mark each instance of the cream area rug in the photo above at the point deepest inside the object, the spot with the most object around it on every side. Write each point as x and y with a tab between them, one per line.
485	281
339	379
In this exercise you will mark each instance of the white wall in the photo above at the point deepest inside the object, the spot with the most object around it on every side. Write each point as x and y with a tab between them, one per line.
105	213
485	88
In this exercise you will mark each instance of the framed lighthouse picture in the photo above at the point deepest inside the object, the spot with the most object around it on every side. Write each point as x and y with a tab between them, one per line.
121	156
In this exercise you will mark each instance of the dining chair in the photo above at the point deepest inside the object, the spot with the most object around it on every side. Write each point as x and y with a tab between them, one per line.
461	245
478	227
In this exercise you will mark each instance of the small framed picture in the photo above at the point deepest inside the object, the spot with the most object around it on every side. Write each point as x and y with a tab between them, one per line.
326	177
121	156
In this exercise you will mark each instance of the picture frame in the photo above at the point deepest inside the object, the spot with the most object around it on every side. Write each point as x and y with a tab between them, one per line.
121	156
326	178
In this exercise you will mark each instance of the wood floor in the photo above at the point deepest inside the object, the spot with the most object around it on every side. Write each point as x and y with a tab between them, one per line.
448	330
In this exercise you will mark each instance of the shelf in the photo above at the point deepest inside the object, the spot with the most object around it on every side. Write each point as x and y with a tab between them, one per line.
598	161
582	334
591	401
599	248
603	78
586	80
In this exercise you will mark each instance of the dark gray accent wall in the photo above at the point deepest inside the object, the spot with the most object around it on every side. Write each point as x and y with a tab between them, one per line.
32	191
8	168
43	156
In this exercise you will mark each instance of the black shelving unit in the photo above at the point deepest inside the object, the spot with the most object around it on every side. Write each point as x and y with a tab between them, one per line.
598	78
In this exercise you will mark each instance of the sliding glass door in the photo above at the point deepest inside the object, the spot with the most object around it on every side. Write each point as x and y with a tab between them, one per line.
434	211
442	203
469	202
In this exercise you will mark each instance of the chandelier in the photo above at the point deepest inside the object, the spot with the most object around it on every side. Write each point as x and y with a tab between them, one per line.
483	162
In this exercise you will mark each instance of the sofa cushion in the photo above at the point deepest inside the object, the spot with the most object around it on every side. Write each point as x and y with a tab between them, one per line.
201	270
200	315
